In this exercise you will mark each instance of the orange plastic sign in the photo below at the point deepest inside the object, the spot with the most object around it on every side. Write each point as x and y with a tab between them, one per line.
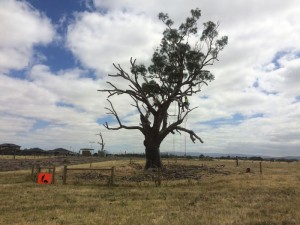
44	178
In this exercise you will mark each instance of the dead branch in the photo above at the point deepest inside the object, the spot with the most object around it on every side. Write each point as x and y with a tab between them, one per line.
193	136
113	112
102	144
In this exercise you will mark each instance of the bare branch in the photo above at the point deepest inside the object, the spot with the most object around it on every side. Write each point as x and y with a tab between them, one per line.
102	144
112	111
193	136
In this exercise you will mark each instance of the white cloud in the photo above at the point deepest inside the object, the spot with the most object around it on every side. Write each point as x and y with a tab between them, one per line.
22	27
12	125
287	79
99	40
69	87
67	103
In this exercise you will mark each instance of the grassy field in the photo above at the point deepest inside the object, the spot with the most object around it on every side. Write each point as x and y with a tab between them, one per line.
227	195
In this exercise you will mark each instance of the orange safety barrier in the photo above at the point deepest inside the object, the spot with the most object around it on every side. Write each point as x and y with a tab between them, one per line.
44	178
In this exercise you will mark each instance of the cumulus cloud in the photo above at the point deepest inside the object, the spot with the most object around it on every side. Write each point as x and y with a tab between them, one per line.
50	106
99	40
22	27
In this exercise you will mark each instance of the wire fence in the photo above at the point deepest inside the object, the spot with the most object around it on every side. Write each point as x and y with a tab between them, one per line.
185	171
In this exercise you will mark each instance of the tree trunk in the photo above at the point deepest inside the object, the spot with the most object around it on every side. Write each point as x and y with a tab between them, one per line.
153	156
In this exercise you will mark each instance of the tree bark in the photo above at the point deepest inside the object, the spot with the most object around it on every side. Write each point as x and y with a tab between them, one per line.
153	159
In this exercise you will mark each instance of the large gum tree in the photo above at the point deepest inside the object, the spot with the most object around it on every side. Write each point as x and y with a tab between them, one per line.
178	70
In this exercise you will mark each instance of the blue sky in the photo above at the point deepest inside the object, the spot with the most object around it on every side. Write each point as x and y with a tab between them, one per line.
55	55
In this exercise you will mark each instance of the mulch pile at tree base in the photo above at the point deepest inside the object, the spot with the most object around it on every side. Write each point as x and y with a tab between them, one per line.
170	172
176	172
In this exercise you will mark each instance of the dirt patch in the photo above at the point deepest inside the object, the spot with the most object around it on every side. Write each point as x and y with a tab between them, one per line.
23	164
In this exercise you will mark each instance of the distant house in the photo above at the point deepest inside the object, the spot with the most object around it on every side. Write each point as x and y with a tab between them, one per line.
60	151
86	151
9	149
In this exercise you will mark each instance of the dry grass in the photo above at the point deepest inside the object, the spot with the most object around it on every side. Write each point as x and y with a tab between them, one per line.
216	199
25	157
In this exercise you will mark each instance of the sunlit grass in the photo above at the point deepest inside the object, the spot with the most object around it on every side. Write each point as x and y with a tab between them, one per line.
237	198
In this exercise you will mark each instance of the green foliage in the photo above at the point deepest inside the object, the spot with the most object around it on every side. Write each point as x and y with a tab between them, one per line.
102	153
205	158
177	62
151	88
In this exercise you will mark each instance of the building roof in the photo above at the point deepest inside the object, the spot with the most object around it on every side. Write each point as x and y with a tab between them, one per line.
36	150
60	150
9	145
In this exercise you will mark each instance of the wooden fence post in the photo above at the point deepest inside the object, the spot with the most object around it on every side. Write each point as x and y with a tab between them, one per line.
38	171
65	174
32	170
158	178
237	161
53	175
